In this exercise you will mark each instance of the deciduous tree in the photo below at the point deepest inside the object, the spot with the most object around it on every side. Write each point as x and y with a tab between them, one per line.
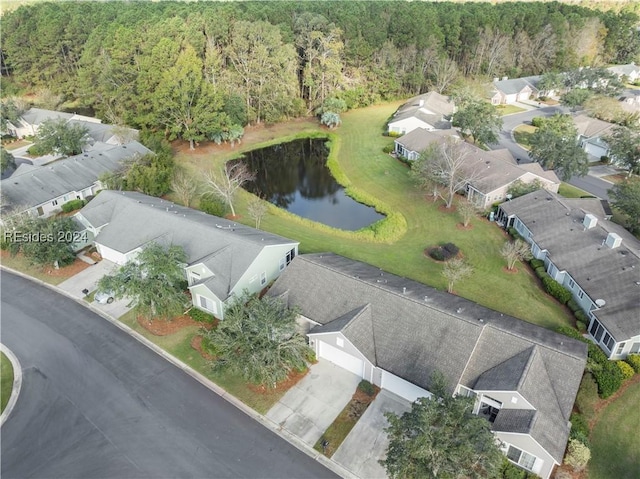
626	197
455	270
227	181
154	282
6	160
257	209
259	340
554	146
44	241
440	437
468	210
58	136
185	187
624	145
480	119
514	251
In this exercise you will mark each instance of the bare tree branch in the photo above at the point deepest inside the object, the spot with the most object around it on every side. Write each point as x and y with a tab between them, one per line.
227	181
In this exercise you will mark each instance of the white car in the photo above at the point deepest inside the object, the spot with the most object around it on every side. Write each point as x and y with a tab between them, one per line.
103	297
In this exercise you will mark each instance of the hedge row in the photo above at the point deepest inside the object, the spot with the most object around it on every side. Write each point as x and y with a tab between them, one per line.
579	428
555	289
634	361
73	205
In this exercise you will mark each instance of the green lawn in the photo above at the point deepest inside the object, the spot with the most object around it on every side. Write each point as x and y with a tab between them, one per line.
360	156
21	264
6	380
615	442
16	144
179	345
509	109
570	191
522	135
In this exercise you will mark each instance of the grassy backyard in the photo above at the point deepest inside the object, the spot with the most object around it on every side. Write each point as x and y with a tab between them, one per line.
615	443
522	135
360	156
6	380
509	109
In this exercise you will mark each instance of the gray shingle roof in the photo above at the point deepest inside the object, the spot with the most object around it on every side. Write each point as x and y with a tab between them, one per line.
513	86
225	247
625	69
30	187
591	127
434	107
602	272
417	330
514	420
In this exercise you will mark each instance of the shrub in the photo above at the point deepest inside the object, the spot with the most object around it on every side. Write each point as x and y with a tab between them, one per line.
626	370
394	134
73	205
508	470
36	150
581	325
536	263
537	121
213	206
451	249
634	361
577	456
388	148
200	316
605	159
366	387
581	316
437	254
573	305
587	396
556	290
608	375
579	427
541	272
571	332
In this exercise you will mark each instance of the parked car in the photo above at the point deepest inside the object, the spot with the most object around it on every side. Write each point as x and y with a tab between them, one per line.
103	297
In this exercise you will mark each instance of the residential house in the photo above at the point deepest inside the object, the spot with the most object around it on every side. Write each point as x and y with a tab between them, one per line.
224	258
595	259
507	91
491	173
30	121
42	190
396	333
590	133
631	72
430	111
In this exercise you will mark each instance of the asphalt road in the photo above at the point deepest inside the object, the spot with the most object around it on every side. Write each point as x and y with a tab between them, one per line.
97	403
591	184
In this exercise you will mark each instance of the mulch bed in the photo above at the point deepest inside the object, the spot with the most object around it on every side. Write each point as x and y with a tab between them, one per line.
293	379
444	209
64	272
161	327
509	271
462	227
196	343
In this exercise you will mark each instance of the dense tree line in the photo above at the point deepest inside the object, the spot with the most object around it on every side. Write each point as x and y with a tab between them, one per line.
201	70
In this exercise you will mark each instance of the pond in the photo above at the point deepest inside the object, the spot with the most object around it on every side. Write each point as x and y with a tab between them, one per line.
294	176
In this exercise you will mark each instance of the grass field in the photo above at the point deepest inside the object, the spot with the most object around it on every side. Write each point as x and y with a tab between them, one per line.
360	156
509	109
6	380
522	135
615	443
570	191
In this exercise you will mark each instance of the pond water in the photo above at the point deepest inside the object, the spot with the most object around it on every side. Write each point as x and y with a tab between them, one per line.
294	176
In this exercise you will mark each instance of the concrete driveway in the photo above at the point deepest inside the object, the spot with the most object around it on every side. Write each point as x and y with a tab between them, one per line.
309	408
367	442
88	279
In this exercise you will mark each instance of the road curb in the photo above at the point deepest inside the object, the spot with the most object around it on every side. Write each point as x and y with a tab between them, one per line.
17	383
268	423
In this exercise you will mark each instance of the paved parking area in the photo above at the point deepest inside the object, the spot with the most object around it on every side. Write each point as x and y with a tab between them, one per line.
88	279
309	408
367	442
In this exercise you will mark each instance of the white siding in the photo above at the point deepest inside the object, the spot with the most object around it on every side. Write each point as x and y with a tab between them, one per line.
544	462
340	357
111	254
268	261
402	388
408	125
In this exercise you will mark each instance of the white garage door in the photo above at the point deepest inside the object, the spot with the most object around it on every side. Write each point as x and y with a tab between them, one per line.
340	358
402	388
595	150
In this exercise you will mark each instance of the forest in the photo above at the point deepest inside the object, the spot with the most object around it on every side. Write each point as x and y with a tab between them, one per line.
201	70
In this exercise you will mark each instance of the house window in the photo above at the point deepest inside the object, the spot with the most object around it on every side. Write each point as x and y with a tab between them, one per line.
283	263
571	283
521	458
65	198
620	348
54	202
489	408
263	278
206	303
635	348
608	341
340	342
466	392
580	294
290	255
195	277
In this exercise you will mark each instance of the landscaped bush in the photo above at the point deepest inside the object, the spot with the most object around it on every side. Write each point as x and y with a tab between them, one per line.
508	470
571	332
388	148
35	150
536	263
634	361
579	428
73	205
200	316
606	373
437	254
556	290
605	159
537	121
577	456
366	387
573	305
213	206
581	316
587	397
626	370
541	272
444	252
581	325
451	249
